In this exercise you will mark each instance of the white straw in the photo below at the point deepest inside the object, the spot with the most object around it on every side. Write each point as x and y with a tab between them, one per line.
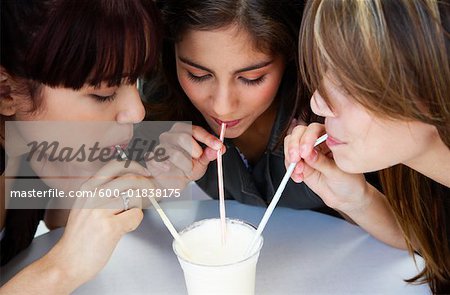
276	198
170	227
220	182
161	213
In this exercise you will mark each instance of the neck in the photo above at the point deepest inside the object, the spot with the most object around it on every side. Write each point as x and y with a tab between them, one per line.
253	142
434	162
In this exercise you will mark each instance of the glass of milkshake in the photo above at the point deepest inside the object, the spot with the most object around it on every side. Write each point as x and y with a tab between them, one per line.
211	267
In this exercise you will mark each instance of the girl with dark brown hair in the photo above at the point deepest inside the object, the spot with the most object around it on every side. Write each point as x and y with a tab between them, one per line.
233	62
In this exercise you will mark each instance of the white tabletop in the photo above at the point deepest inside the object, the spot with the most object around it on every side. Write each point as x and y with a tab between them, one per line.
304	252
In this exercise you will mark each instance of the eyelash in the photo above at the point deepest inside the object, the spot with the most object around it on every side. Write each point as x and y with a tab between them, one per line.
254	82
197	79
103	99
248	82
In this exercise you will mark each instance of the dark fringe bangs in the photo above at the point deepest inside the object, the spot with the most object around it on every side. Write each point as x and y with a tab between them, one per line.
94	42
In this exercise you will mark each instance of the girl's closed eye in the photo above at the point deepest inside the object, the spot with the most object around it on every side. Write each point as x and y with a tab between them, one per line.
103	98
198	78
253	82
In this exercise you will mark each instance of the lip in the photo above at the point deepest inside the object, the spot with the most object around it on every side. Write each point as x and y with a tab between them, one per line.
331	141
230	124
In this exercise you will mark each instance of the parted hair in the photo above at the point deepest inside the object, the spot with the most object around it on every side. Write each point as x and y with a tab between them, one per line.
273	27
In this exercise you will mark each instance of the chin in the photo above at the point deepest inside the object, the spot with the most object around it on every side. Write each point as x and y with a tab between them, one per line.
349	166
232	134
358	167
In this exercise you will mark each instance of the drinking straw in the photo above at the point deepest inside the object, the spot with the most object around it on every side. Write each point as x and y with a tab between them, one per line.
276	198
161	213
220	182
170	227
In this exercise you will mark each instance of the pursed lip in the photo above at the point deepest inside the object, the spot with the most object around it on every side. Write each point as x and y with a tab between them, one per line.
229	124
332	141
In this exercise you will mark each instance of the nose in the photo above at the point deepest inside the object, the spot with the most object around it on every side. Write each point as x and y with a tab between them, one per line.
224	100
319	106
130	107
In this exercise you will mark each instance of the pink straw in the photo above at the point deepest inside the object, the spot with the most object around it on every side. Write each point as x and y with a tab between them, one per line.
220	181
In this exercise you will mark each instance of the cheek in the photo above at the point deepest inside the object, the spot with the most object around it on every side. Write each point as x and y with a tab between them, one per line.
404	141
194	91
264	94
271	89
361	152
360	156
376	146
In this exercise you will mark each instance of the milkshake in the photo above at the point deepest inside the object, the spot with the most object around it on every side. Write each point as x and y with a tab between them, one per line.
213	268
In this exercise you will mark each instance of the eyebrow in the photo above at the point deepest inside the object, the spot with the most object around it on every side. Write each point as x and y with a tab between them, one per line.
246	69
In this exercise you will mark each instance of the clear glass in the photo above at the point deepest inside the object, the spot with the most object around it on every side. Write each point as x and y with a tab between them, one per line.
228	277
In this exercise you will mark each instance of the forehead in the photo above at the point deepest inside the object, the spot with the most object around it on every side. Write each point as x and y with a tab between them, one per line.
226	48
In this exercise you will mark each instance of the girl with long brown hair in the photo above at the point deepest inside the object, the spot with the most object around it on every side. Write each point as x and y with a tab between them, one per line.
381	75
232	61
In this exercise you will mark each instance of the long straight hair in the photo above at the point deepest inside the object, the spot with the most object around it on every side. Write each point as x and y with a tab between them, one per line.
392	57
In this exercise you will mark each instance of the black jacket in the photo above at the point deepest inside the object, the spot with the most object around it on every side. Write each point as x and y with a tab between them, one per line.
256	186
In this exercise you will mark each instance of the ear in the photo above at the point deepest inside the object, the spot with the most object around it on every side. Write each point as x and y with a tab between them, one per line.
7	102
